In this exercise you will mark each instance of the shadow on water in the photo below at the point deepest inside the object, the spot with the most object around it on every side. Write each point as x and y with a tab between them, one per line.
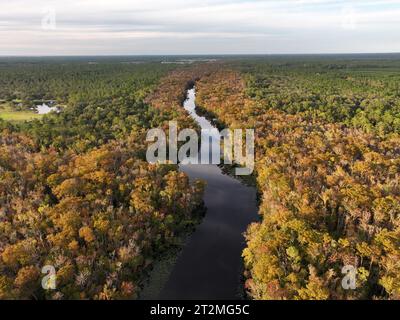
210	264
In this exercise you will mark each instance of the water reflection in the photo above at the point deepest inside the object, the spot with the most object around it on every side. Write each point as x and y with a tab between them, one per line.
44	109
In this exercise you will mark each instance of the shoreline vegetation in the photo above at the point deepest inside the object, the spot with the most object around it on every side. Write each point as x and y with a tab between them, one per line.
156	278
77	193
321	205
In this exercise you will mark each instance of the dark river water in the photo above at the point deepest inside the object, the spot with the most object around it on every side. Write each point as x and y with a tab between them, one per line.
210	265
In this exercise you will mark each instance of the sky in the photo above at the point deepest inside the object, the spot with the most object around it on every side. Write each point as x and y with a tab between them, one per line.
153	27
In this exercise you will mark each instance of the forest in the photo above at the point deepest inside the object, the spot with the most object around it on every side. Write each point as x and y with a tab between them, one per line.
327	170
76	191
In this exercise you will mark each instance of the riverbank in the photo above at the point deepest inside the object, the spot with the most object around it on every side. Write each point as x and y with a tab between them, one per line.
210	264
156	279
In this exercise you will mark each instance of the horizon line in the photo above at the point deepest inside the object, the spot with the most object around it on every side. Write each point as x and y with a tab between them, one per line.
196	54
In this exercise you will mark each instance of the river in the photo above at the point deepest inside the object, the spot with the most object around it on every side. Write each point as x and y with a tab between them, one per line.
210	264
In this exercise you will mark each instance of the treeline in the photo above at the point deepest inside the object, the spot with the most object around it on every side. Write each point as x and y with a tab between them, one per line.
171	92
330	193
72	82
77	193
105	101
364	95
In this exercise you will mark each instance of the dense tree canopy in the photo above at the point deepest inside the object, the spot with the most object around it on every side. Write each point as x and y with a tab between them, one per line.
330	193
76	191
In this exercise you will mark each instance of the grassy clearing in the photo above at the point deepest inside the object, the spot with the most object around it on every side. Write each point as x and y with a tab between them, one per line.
18	116
7	113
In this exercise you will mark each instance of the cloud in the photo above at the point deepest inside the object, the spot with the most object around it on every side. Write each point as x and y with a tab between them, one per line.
180	26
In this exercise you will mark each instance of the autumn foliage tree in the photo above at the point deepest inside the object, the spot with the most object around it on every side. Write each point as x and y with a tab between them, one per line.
330	195
77	193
